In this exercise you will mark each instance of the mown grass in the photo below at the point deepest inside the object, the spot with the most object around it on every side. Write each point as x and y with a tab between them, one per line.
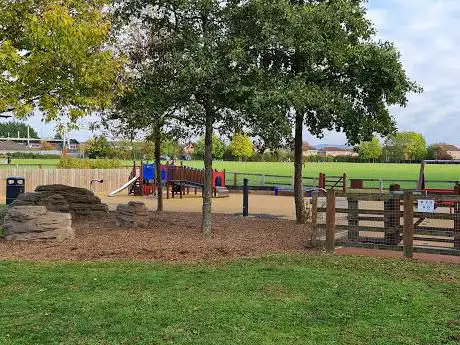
353	170
386	171
275	300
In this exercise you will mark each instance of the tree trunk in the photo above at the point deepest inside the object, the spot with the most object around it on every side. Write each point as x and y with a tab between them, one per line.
298	183
207	188
157	154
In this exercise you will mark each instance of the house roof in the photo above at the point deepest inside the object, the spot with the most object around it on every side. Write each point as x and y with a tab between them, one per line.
448	147
308	147
334	149
12	146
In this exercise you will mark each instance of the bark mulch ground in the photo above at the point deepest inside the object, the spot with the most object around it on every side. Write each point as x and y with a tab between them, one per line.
170	237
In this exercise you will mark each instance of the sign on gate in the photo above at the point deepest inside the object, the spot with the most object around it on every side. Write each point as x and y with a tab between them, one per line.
426	206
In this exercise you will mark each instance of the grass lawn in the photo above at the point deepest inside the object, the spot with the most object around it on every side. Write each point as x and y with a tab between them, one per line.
353	170
275	300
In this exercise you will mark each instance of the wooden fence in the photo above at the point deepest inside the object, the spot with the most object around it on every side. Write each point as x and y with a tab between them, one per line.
390	221
113	178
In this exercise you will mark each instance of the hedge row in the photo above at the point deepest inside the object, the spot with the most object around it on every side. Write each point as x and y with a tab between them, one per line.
78	163
31	155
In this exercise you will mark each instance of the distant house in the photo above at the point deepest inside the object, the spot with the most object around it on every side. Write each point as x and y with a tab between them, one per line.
11	146
52	146
308	150
330	151
189	149
122	145
452	150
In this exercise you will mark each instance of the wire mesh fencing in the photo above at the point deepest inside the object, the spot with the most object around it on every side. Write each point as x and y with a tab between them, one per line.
407	221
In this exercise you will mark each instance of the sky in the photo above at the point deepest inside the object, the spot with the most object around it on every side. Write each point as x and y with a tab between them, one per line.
427	33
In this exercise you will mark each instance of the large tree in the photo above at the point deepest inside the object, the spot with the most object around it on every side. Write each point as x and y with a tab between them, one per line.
440	151
147	106
241	146
406	146
218	147
198	50
370	150
320	64
13	129
145	111
54	58
98	147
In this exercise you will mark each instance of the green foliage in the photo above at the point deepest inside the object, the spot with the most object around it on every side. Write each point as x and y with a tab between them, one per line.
405	146
370	150
438	151
315	64
241	146
170	148
295	300
54	56
31	155
335	75
218	148
77	163
98	147
11	129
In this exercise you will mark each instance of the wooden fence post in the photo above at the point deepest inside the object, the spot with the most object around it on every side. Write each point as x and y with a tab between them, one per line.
408	237
392	219
457	225
234	179
314	219
330	221
353	222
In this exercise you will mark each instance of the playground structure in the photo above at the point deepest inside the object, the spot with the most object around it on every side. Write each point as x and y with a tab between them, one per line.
177	180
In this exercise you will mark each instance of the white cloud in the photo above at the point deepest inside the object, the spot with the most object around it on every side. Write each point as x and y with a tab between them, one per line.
427	33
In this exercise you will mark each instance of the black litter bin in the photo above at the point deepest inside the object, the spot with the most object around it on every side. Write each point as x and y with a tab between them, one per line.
14	187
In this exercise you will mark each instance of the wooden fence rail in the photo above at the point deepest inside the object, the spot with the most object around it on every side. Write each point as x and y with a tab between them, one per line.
432	232
113	178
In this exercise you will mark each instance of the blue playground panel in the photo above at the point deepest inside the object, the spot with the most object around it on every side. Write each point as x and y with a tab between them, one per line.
148	172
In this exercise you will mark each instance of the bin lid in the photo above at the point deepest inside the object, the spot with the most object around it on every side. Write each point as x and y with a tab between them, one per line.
15	178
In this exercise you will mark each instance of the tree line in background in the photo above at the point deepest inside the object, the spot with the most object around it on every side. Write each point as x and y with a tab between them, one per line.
168	69
240	148
397	148
402	147
15	129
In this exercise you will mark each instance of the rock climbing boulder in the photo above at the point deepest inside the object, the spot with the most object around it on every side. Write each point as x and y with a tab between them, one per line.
36	222
134	214
66	199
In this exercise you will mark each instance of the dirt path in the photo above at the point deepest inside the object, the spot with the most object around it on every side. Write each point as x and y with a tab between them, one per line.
269	205
170	236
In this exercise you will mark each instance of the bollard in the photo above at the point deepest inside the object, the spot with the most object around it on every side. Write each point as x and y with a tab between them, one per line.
245	198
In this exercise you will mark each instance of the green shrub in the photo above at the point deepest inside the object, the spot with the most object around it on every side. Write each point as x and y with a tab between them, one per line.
77	163
31	155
